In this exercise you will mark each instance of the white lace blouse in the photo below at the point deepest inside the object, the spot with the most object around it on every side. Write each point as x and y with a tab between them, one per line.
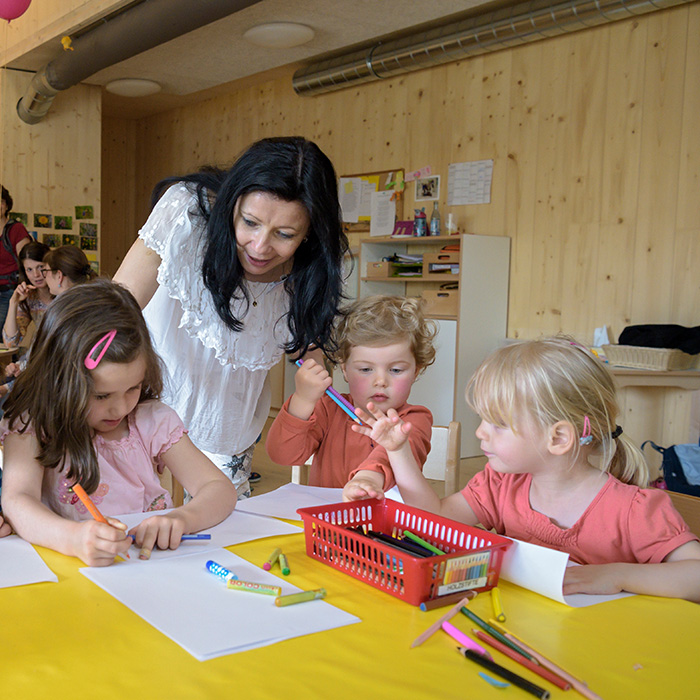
216	379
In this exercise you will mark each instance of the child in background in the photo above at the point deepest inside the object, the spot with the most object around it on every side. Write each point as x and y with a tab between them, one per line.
560	474
384	343
85	411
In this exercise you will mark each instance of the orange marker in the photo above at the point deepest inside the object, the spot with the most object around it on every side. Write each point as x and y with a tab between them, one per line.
79	491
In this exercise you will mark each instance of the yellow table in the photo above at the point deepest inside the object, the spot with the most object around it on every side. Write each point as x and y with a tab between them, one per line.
72	640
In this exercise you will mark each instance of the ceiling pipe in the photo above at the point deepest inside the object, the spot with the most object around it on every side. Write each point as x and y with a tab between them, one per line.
511	26
136	29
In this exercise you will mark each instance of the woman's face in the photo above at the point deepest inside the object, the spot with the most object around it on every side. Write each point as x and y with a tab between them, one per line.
53	282
268	232
35	272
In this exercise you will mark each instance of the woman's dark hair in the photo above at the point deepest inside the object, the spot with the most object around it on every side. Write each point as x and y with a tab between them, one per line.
53	393
294	170
7	199
72	262
32	251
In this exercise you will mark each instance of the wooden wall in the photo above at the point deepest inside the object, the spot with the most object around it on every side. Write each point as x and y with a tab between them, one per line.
52	166
596	160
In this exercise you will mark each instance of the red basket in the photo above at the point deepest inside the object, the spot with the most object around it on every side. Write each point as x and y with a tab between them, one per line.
472	559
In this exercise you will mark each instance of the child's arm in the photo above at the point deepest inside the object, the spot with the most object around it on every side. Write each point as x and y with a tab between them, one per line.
94	543
391	433
311	381
677	577
364	484
5	528
213	499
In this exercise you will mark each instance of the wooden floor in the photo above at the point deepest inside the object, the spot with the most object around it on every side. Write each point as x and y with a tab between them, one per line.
274	476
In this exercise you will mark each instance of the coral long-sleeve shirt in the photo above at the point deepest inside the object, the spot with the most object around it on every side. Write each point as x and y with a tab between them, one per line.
338	451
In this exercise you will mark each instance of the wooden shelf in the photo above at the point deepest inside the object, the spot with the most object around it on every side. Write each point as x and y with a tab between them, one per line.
412	239
414	278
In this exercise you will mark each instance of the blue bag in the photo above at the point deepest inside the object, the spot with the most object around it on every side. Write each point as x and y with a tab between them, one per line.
681	467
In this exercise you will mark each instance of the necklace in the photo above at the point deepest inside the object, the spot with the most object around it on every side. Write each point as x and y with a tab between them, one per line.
259	294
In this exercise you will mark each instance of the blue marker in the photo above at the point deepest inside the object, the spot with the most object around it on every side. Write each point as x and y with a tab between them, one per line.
220	571
200	536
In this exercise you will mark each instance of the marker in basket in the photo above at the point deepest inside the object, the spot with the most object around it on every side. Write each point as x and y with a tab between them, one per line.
436	625
498	635
333	394
422	542
273	559
283	564
303	597
220	571
79	491
251	587
513	678
497	605
535	668
445	600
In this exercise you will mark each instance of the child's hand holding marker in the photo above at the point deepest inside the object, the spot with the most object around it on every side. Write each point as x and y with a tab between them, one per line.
311	382
161	531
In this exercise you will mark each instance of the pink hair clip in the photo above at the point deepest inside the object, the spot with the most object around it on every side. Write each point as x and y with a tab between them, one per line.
107	339
586	437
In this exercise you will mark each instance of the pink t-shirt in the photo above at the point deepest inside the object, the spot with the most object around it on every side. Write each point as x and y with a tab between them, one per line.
623	523
129	480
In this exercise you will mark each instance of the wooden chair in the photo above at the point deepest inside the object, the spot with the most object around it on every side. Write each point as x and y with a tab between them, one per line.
689	508
442	463
169	482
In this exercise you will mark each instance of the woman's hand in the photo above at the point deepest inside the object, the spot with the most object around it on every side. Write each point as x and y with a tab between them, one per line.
21	292
386	429
163	531
97	543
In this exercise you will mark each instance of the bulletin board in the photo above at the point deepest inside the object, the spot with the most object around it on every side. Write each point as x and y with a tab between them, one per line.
376	181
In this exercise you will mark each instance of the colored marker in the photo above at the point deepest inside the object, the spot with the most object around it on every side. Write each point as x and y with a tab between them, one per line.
497	606
499	670
462	638
422	542
343	403
283	564
79	491
302	597
251	587
273	559
495	633
445	600
220	571
200	536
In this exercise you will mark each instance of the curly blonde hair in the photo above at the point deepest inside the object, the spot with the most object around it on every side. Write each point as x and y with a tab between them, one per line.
551	380
382	319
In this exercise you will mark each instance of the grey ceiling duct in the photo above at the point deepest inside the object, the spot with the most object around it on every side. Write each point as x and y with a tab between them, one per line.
458	39
137	28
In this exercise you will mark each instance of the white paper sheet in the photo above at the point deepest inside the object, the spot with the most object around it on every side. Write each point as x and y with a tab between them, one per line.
383	213
238	527
213	620
542	570
21	565
284	501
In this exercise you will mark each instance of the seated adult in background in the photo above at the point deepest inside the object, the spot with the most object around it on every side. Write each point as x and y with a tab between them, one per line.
14	238
66	266
31	297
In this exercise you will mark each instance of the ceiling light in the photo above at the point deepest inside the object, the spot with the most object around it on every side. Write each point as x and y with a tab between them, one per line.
133	87
279	35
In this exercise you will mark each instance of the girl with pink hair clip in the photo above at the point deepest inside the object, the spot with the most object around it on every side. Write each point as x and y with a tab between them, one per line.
86	411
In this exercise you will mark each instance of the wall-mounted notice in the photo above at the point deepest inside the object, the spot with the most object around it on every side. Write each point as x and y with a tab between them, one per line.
469	183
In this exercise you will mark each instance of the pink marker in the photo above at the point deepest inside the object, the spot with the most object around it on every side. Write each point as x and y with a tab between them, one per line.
463	639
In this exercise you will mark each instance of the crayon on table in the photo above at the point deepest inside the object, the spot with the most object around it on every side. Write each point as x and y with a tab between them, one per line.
445	600
252	587
497	605
79	491
437	624
220	571
273	559
283	564
498	635
303	597
513	678
578	685
462	639
535	668
422	542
